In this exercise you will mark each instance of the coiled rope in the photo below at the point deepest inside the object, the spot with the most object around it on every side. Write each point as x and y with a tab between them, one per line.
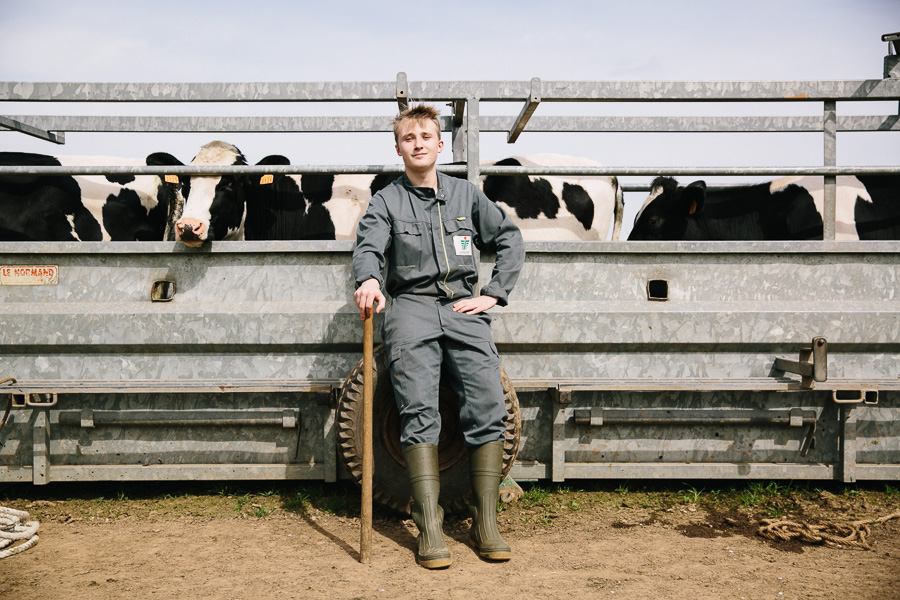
829	533
13	530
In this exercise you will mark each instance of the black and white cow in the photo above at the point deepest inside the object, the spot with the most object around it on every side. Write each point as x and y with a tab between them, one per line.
86	208
316	206
557	208
786	209
328	206
215	206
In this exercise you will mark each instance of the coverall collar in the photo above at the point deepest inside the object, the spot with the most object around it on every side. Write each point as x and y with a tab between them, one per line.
427	193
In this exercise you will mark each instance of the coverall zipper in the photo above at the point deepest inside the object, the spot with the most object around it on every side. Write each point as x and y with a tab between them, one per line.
444	247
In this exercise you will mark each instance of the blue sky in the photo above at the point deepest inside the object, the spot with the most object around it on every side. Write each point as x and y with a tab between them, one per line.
264	40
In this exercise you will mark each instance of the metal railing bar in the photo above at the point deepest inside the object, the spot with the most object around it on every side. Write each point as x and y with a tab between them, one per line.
450	169
487	91
493	124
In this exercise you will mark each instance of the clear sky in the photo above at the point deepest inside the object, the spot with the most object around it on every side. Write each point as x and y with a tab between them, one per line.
265	40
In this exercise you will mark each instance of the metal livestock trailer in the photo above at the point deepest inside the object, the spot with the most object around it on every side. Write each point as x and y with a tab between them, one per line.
239	360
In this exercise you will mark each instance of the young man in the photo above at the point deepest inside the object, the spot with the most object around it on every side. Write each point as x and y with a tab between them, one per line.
428	228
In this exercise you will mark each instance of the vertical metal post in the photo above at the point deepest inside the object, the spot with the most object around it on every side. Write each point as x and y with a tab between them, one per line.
558	456
472	134
402	91
368	464
40	470
830	151
329	445
458	125
848	443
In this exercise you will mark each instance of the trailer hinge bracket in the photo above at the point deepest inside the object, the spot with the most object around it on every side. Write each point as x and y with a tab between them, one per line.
812	365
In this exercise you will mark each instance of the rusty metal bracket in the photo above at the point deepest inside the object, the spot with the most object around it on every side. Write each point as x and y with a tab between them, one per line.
559	396
812	365
855	396
35	400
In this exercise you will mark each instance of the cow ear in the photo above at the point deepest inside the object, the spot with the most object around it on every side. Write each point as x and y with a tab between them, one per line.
274	159
693	197
164	159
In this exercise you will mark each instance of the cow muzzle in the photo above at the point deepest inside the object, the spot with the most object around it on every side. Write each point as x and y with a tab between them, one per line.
191	232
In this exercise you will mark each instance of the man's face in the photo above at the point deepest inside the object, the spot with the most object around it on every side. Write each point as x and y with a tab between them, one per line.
419	144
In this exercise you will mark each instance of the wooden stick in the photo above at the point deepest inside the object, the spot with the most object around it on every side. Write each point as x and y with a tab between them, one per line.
368	464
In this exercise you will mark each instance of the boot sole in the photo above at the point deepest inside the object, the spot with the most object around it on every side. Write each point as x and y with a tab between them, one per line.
435	563
497	555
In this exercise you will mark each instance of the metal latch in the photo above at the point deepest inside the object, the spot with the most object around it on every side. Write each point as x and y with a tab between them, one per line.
812	365
588	416
855	396
27	399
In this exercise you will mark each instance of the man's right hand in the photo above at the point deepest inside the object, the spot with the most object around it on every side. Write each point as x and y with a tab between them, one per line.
366	295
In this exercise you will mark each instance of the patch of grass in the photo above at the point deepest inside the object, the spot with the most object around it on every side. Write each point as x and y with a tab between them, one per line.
543	503
298	501
240	502
691	494
753	495
535	496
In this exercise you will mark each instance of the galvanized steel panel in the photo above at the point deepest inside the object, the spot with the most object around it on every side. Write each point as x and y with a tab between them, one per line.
279	311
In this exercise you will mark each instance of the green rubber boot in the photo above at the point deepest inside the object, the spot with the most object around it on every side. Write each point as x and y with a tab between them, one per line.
425	481
486	470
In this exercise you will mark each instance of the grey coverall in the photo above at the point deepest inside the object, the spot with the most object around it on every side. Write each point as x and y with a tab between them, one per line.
431	243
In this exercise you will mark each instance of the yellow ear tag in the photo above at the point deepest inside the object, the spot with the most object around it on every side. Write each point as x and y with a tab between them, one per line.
171	179
266	179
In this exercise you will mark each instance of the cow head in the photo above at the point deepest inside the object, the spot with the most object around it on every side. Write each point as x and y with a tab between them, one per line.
668	210
214	206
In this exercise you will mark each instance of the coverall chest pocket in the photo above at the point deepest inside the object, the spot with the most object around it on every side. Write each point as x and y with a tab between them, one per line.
408	242
460	238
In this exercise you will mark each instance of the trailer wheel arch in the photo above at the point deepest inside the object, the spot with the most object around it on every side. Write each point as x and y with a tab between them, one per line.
390	485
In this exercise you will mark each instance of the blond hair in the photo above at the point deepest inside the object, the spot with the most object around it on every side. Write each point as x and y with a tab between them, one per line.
421	114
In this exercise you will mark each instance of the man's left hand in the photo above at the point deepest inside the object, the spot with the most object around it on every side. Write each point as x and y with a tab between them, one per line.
473	306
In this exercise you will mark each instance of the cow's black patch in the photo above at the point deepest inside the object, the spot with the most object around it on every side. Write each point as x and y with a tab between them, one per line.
122	217
281	210
737	213
42	208
579	203
120	179
317	187
18	159
228	206
880	218
530	199
791	215
381	181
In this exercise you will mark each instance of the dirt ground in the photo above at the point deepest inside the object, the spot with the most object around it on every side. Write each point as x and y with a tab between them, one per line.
302	542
